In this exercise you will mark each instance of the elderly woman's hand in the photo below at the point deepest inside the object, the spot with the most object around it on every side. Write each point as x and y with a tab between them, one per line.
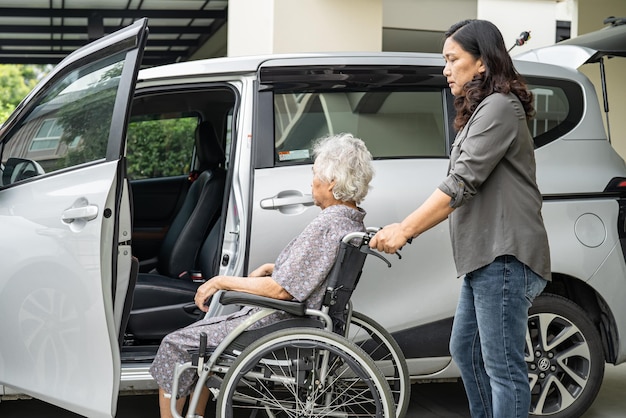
205	291
389	239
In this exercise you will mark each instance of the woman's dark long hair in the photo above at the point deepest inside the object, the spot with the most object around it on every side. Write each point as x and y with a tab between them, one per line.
483	40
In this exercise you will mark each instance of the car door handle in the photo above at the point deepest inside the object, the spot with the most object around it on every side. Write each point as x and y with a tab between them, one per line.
86	213
280	201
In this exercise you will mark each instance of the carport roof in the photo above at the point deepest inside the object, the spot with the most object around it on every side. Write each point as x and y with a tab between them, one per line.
45	31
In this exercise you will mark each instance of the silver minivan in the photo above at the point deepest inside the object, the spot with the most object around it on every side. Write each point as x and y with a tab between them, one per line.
122	189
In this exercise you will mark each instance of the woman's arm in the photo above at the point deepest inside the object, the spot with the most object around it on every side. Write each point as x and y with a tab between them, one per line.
262	286
434	210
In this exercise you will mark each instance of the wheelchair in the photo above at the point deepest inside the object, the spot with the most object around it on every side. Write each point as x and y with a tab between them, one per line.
330	361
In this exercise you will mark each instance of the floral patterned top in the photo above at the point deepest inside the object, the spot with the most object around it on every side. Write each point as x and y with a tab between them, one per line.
302	266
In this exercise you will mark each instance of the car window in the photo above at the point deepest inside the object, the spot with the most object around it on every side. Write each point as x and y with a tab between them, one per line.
558	108
402	124
393	124
160	145
68	126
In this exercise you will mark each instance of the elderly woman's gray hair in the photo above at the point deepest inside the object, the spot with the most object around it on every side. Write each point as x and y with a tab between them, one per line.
346	160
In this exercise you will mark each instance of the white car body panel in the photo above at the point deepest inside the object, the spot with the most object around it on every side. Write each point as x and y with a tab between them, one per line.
611	271
582	234
555	175
55	320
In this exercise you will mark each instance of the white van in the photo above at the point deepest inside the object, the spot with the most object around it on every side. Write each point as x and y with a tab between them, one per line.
122	189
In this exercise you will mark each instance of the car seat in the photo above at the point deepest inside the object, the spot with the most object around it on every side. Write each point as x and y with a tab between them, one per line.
200	208
162	304
163	297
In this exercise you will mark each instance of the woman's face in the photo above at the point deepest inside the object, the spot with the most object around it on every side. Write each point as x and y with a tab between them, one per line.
322	191
461	66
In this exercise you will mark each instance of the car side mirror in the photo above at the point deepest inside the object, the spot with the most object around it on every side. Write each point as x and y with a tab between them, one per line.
17	169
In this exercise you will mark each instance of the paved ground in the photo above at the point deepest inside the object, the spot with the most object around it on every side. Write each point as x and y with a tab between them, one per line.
432	400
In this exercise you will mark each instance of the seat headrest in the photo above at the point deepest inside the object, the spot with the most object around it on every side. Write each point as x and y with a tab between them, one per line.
208	148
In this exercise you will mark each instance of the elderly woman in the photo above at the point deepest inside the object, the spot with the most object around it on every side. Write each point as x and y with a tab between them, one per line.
341	175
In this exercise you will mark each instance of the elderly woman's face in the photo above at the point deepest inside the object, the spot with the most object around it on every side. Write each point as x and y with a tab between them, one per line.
461	66
322	191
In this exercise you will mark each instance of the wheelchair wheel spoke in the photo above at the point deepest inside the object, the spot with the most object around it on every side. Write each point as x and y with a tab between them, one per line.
298	375
380	345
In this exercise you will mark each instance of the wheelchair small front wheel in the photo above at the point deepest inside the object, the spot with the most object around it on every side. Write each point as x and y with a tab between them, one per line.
304	372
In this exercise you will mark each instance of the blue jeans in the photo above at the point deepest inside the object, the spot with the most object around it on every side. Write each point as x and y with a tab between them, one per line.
489	337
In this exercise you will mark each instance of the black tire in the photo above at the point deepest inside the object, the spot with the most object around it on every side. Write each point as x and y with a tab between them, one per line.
279	376
380	345
564	356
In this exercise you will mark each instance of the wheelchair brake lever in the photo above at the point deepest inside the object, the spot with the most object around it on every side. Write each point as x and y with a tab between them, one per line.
202	352
367	250
408	241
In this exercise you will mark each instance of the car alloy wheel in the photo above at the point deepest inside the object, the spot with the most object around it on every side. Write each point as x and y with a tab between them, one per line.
564	357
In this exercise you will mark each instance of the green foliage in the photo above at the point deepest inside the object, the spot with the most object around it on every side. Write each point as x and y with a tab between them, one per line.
16	81
5	111
89	118
155	147
160	148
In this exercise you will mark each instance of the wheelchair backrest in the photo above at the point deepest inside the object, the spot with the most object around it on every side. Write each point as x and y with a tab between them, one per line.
344	276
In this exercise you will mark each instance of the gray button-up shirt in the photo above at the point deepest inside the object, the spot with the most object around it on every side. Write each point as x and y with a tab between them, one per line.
492	184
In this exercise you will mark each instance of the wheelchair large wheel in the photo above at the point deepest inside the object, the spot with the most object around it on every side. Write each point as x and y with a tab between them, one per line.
302	372
380	345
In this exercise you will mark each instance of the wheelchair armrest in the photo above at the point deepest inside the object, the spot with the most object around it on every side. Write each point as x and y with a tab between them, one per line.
242	298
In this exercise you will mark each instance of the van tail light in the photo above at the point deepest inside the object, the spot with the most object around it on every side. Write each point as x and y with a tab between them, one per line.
616	185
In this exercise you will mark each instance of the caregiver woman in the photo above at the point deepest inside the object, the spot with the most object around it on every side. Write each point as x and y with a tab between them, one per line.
498	238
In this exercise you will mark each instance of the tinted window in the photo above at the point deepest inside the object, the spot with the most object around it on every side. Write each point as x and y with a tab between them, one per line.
558	108
393	124
69	125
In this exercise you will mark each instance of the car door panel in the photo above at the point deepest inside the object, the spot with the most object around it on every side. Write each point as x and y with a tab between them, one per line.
71	227
413	282
52	292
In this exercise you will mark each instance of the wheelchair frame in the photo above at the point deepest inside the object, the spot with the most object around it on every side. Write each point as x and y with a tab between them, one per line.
389	394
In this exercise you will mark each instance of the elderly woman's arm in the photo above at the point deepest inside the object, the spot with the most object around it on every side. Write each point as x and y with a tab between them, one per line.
262	286
264	270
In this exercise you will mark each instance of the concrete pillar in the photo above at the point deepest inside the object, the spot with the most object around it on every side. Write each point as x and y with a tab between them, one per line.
257	27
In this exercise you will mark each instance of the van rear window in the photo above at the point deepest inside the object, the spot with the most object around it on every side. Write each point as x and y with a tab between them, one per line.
558	108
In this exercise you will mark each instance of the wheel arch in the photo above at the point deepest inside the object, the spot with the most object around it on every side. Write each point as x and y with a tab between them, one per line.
594	304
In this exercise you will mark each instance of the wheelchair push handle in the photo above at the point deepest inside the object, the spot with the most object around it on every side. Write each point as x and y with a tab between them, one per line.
365	238
361	240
